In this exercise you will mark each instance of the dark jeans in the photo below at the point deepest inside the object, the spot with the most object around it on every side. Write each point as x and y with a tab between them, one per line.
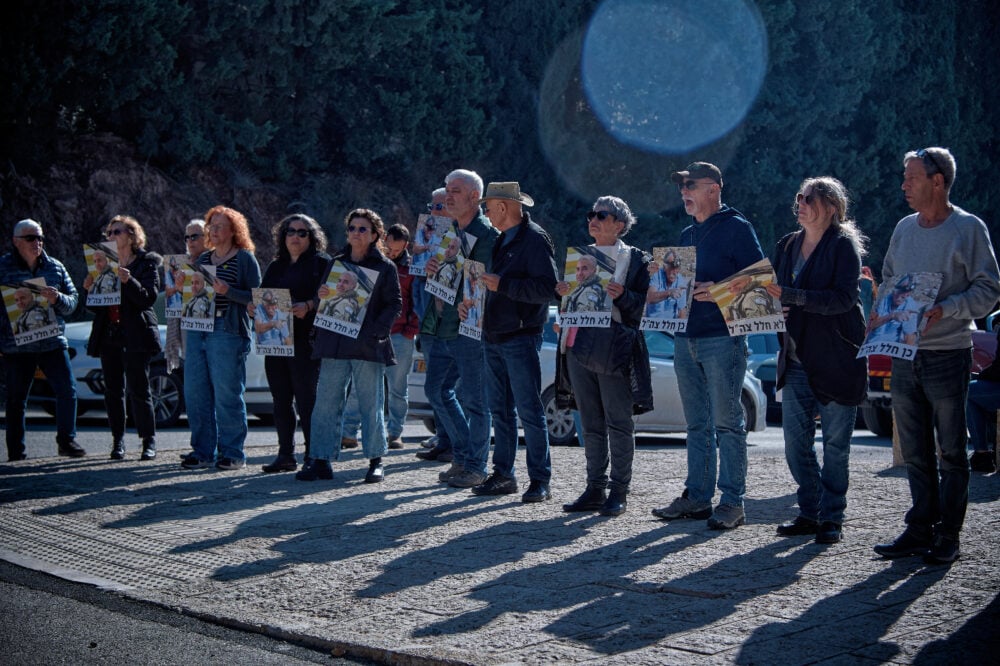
605	407
292	378
20	374
127	374
929	394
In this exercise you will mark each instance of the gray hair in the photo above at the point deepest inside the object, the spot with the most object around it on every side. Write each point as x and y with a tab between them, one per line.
469	177
196	222
26	224
440	192
936	160
619	209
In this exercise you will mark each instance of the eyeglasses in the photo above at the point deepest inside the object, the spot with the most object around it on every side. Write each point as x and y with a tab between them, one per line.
601	215
690	185
930	162
116	232
191	237
353	229
31	238
435	206
301	233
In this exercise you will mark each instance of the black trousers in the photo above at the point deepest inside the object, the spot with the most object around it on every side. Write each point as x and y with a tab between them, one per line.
292	378
127	374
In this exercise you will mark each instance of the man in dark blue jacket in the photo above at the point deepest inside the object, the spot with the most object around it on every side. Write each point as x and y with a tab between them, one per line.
710	364
519	287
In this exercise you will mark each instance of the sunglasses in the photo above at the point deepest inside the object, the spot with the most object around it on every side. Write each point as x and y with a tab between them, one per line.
353	229
807	199
31	238
930	162
601	215
191	237
301	233
437	206
116	232
690	185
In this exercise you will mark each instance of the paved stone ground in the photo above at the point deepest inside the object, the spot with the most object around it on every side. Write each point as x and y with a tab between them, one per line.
409	571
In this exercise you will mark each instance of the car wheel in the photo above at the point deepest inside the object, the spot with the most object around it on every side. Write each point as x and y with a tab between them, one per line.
168	396
878	419
559	422
749	415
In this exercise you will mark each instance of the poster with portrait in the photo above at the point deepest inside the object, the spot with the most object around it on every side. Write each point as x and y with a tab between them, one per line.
671	286
198	309
474	297
745	304
588	271
451	254
273	322
426	240
173	284
31	317
102	266
897	318
344	298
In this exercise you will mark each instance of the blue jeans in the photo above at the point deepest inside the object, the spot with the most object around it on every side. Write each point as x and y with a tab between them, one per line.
465	419
928	395
710	375
515	388
608	434
981	412
215	377
20	375
335	375
395	376
822	493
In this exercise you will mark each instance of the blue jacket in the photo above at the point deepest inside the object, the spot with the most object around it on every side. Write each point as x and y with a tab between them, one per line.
13	270
824	322
527	268
384	305
725	244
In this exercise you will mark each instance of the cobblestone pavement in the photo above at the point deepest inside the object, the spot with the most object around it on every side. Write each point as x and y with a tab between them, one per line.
410	571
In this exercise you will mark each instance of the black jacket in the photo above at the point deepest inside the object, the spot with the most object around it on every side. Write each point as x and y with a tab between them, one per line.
824	319
302	279
138	329
527	269
384	305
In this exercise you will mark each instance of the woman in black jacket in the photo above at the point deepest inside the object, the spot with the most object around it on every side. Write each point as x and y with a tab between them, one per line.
356	361
818	268
300	266
126	337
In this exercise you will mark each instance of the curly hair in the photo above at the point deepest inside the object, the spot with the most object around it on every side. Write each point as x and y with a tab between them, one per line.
317	238
238	222
134	230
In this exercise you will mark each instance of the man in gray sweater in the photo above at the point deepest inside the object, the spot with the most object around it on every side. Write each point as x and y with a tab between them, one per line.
929	391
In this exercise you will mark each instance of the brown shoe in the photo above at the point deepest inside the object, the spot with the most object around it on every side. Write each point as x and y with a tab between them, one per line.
348	443
396	443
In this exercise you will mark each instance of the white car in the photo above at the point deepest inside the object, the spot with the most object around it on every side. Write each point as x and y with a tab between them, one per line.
667	415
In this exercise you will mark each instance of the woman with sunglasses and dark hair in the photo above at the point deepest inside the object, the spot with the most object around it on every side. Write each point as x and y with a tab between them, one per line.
598	364
818	267
356	362
126	337
301	264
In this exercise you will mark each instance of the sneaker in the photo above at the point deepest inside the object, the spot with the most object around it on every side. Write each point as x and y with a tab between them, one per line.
315	469
71	449
726	517
430	442
466	479
944	550
230	464
496	485
910	542
682	507
348	443
983	461
454	470
396	442
191	461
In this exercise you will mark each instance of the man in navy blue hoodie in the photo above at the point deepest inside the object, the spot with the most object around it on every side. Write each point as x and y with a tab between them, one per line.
710	364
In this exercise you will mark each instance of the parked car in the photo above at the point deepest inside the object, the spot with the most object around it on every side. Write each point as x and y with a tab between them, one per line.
666	417
763	363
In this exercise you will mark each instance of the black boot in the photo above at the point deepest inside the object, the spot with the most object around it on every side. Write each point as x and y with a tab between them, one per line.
118	449
148	449
616	503
592	499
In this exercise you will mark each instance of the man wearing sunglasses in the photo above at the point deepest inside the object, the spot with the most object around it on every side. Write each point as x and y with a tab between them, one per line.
29	260
929	391
710	364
